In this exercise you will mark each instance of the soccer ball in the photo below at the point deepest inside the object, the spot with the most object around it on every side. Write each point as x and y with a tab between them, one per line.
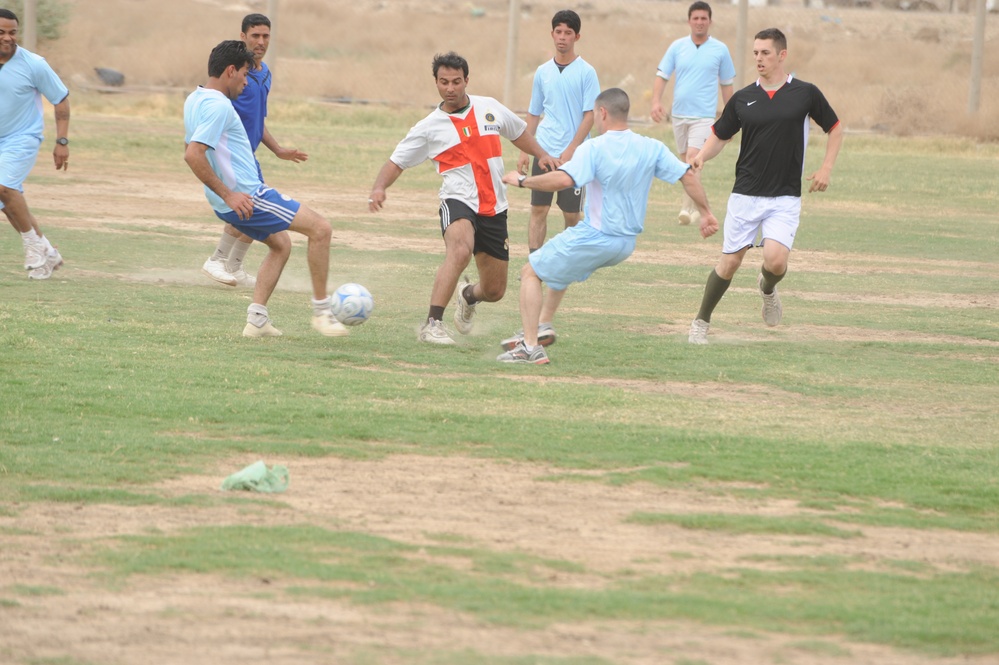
352	304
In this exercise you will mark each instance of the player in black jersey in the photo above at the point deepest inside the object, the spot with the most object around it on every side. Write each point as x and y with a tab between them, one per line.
773	114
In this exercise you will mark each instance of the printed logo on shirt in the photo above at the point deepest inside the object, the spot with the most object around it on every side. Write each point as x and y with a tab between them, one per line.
467	131
490	117
491	128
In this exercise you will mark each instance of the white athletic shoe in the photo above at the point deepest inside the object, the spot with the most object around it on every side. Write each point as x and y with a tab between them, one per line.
434	332
216	270
772	309
244	278
684	217
698	332
52	263
326	325
34	254
463	312
546	337
266	330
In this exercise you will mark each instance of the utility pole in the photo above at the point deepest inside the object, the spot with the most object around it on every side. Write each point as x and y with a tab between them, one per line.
512	37
977	52
272	49
741	46
29	27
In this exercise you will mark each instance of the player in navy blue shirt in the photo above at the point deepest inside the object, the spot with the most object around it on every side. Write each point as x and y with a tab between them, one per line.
773	114
225	265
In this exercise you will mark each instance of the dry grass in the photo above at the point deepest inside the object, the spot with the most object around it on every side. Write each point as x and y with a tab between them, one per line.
904	72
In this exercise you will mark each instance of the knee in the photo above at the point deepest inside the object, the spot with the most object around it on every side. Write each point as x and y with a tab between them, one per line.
460	253
493	292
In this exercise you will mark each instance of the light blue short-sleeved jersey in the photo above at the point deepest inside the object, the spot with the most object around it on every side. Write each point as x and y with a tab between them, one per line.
617	168
210	118
699	71
23	80
562	98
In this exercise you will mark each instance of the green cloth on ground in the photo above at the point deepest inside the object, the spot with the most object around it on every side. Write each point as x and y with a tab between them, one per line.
258	478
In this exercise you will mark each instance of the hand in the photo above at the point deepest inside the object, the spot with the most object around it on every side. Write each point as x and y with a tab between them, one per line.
512	178
523	163
659	114
242	204
376	200
549	163
697	163
709	225
820	181
292	155
60	155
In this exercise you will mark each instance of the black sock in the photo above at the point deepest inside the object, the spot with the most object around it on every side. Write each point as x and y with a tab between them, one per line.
713	292
436	313
769	280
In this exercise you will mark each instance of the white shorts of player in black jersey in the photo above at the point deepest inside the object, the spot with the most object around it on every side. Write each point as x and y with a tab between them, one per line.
775	218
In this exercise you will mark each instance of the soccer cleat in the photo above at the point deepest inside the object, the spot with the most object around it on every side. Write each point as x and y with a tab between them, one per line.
266	330
244	278
216	270
326	325
463	312
434	332
34	254
546	337
52	263
698	332
772	309
684	217
520	354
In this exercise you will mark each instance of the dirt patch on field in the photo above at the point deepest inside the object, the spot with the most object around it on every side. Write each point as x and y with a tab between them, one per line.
415	500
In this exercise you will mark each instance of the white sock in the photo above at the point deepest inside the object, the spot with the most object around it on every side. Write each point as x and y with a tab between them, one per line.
257	315
29	236
320	307
236	255
223	248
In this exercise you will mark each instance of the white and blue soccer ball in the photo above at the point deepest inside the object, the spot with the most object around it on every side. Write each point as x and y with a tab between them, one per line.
352	304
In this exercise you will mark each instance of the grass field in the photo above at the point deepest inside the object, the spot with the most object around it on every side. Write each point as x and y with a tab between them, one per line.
822	492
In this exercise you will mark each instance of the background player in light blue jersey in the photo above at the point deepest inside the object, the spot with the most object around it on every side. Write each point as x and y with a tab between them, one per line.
219	153
225	265
618	167
24	79
560	117
699	64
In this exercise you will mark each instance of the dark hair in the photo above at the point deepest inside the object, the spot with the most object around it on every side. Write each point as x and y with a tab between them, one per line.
569	17
253	20
699	5
230	52
616	101
6	13
774	35
451	60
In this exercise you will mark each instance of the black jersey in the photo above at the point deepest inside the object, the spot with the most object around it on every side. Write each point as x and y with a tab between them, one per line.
774	135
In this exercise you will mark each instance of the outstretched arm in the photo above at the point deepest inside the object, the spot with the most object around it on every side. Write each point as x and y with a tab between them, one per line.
527	143
820	179
290	154
389	174
524	160
691	182
553	181
711	148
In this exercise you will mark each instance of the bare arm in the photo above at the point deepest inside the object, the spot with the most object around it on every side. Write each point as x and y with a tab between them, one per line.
691	182
527	143
389	174
727	92
711	148
532	128
820	179
60	154
290	154
585	125
197	159
553	181
659	114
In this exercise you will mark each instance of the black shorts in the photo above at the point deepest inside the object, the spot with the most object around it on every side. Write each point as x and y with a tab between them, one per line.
570	199
490	232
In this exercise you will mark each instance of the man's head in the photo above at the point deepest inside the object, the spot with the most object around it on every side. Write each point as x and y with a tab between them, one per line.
699	20
565	31
256	34
612	107
451	77
229	62
8	33
769	51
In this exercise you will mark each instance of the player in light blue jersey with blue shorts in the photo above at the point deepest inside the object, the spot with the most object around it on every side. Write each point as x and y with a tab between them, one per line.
225	265
24	79
618	167
219	153
698	64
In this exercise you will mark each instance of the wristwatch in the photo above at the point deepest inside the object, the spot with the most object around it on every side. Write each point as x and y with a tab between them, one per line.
62	141
520	180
